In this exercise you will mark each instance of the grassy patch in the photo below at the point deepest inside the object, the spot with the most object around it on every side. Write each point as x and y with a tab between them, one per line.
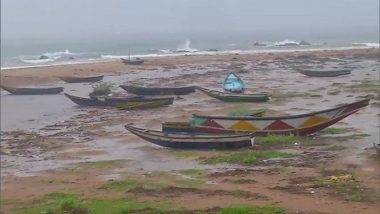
347	186
68	203
245	157
186	153
56	202
101	164
131	184
334	130
189	183
192	172
269	209
271	139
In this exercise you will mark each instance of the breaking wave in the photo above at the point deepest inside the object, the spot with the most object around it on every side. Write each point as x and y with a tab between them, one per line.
185	47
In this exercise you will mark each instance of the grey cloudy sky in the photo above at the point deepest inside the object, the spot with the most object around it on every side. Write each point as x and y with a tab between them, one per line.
109	18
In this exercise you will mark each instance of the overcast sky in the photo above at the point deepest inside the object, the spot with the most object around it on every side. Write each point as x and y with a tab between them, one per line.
145	18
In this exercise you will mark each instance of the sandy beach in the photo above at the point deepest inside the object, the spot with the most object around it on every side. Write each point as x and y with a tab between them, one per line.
53	149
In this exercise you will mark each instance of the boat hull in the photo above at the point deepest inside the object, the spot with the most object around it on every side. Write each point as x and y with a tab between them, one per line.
333	73
132	62
33	91
235	97
81	79
304	124
158	91
189	141
129	103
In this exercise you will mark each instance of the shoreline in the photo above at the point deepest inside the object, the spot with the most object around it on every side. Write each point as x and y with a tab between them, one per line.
109	58
49	74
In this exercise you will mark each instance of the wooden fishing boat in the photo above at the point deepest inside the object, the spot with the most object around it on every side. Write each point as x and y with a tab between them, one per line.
302	124
229	97
233	83
192	141
84	101
122	103
82	79
135	61
325	73
32	91
158	90
186	127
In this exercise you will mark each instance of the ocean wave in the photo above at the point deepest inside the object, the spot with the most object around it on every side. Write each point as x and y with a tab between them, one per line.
367	44
185	47
36	61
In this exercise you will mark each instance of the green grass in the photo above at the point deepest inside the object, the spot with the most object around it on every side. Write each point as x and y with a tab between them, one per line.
59	203
271	139
192	172
101	164
334	130
130	184
269	209
185	153
245	157
350	189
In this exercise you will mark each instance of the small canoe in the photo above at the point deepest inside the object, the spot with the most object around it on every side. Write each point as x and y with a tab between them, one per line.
158	90
325	73
233	83
82	79
228	97
186	127
122	103
302	124
32	91
135	61
192	141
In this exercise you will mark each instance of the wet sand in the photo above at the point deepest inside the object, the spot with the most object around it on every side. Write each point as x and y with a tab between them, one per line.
83	149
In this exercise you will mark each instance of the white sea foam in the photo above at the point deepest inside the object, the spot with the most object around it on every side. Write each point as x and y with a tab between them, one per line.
185	47
367	44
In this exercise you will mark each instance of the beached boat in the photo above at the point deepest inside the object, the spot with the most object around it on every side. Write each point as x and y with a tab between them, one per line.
82	79
302	124
32	91
158	90
233	83
135	61
192	141
122	103
186	127
229	97
325	73
144	104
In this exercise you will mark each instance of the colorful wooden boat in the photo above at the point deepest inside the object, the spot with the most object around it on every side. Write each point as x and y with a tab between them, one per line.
32	91
122	103
192	141
229	97
158	90
186	127
325	73
82	79
135	61
302	124
233	83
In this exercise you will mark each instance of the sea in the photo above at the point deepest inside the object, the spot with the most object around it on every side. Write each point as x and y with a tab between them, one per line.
47	52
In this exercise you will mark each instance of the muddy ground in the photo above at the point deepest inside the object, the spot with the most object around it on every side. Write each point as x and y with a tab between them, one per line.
89	154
